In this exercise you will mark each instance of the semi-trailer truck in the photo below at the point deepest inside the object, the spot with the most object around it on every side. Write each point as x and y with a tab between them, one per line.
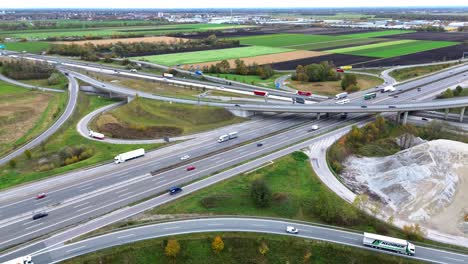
21	260
389	243
389	89
96	135
129	155
341	96
227	137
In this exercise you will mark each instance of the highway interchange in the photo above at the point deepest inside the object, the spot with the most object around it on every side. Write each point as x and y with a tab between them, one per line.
103	189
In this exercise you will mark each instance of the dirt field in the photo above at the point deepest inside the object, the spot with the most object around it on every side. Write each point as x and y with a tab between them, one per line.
124	40
19	112
337	59
446	36
328	31
271	58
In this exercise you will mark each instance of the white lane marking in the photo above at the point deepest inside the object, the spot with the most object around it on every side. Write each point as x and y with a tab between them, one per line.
129	235
75	249
82	209
81	205
461	260
174	227
41	223
86	188
257	225
215	224
352	238
123	190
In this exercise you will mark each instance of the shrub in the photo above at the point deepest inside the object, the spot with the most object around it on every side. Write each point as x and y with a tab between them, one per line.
353	88
260	193
12	163
413	232
348	80
28	154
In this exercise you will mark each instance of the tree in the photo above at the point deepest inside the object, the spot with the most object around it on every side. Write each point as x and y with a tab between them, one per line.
458	90
218	244
28	154
241	68
348	80
260	193
224	66
172	248
447	94
12	163
263	248
413	232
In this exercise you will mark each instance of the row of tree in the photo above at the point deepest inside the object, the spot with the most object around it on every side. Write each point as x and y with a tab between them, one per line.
121	49
241	68
449	93
27	70
321	72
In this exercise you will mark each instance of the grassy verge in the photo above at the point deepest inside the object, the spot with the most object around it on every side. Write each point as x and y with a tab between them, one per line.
18	103
250	79
145	118
62	84
29	46
413	72
334	87
43	162
238	248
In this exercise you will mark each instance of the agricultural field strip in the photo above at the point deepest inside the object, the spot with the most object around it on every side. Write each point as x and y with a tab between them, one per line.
371	46
213	55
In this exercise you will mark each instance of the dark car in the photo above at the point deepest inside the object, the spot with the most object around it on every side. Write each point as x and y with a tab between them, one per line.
391	106
41	195
363	106
174	190
395	96
419	89
237	105
259	144
191	168
39	215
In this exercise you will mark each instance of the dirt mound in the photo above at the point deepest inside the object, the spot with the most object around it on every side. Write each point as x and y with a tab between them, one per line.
119	131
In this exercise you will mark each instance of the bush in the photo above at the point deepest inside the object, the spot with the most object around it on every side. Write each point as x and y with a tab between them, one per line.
353	88
260	193
413	232
348	80
28	154
54	78
12	163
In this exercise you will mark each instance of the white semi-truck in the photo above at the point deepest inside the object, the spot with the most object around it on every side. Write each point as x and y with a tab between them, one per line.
227	137
21	260
389	89
389	243
129	155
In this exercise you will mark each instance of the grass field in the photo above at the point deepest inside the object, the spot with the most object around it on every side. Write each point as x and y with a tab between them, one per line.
24	114
339	43
144	118
238	248
110	31
393	48
28	170
63	83
29	46
250	79
212	55
413	72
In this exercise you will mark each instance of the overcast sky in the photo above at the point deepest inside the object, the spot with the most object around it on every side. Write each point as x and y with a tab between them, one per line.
222	3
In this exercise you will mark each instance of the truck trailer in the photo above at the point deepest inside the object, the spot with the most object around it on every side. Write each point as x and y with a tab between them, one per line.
260	93
96	135
227	137
129	155
389	89
21	260
389	243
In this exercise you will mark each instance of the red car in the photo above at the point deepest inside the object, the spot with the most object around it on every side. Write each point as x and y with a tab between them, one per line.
41	195
190	168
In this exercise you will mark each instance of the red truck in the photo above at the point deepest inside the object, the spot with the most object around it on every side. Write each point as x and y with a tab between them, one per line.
304	93
261	93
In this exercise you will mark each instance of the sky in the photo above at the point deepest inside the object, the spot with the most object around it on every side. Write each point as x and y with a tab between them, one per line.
221	3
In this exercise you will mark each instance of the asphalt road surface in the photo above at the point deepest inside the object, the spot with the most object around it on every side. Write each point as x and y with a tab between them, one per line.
255	225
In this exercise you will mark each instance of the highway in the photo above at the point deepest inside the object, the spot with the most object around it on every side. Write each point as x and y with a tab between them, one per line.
73	88
230	224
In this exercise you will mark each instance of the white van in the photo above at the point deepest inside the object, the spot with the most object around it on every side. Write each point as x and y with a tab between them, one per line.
344	101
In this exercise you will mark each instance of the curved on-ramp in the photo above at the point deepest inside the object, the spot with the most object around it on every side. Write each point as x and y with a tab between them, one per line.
71	104
229	224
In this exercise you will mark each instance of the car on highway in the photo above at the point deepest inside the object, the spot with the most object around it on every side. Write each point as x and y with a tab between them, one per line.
395	96
191	168
419	89
363	106
314	127
391	106
174	190
259	144
41	195
237	105
291	230
344	101
185	157
39	215
424	119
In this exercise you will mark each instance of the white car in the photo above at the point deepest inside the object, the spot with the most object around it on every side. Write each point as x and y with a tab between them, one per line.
291	230
185	157
344	101
315	127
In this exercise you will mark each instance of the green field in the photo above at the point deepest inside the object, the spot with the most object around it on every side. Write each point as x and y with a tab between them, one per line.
29	46
250	79
306	41
110	31
393	48
212	55
239	248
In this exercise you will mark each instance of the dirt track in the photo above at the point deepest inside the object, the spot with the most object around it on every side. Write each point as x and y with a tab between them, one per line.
124	40
271	58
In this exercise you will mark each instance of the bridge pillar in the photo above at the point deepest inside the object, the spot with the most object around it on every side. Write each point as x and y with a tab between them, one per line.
446	114
405	118
462	113
398	116
318	116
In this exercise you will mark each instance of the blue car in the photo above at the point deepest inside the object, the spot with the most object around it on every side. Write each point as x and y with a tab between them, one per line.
174	190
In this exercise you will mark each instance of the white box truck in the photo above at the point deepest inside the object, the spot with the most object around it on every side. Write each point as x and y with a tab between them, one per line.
129	155
389	243
341	96
21	260
227	137
96	135
167	75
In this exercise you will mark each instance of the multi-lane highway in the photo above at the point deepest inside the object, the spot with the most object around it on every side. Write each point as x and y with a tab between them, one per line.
232	224
73	88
